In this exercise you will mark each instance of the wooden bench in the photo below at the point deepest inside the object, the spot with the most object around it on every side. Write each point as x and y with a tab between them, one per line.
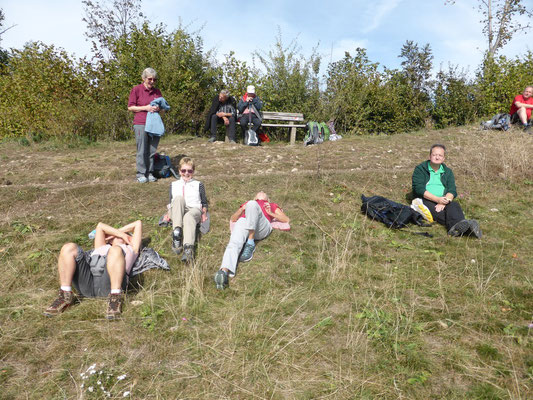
295	120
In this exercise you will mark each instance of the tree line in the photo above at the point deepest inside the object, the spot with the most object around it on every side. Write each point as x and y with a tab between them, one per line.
49	93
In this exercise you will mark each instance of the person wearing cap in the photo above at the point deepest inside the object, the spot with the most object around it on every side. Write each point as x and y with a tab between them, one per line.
250	108
223	110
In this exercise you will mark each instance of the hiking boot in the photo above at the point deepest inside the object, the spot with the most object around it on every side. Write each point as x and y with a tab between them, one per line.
212	139
460	228
188	253
247	252
221	280
63	301
152	178
114	306
142	179
475	230
177	244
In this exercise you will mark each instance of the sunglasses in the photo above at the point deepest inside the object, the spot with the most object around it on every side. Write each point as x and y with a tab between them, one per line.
183	171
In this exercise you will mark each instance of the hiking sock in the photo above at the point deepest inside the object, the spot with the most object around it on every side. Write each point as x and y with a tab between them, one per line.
116	291
251	241
66	288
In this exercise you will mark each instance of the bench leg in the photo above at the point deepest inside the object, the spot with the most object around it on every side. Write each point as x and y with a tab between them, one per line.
293	135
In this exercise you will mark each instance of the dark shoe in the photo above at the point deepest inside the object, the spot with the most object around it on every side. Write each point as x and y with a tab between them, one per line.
188	253
63	301
460	228
475	230
114	306
177	243
221	280
247	253
212	139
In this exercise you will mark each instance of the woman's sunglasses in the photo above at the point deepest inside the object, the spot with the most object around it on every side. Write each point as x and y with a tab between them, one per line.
183	171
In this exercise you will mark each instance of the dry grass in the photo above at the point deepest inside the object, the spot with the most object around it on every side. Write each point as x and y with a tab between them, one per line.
338	308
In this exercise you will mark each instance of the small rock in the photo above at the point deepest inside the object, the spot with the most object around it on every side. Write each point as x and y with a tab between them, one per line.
294	170
443	324
136	302
494	210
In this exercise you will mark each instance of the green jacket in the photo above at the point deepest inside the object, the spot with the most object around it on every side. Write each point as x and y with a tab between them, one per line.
421	178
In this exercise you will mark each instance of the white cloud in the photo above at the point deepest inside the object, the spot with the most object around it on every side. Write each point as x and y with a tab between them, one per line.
376	13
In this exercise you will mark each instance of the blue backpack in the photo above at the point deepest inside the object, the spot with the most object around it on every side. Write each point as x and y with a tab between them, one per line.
163	166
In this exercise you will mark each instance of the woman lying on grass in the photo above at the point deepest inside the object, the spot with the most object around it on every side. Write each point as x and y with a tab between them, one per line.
252	221
100	272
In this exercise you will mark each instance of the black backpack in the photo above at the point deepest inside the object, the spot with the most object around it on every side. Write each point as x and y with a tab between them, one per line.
163	167
393	215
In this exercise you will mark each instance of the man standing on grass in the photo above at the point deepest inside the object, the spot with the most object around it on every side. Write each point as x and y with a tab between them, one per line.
521	108
434	183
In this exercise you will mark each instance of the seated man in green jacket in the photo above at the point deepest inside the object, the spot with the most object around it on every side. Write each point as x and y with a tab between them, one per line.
434	183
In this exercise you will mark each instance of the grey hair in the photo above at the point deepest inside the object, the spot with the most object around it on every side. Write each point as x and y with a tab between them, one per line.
149	72
225	92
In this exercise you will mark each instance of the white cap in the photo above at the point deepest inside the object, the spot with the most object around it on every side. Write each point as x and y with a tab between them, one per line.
250	89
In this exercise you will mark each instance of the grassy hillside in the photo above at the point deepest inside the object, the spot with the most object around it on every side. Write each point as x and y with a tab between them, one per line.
339	307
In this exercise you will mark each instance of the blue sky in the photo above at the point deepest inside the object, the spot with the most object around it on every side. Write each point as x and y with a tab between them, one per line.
381	26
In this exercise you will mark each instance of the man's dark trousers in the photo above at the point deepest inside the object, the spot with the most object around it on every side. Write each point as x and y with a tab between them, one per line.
230	129
448	217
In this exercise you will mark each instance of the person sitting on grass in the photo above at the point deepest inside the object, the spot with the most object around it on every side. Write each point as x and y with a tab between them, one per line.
434	183
521	108
100	272
188	207
252	222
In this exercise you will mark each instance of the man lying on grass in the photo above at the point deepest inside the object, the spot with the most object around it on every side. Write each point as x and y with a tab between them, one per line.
100	272
252	221
434	182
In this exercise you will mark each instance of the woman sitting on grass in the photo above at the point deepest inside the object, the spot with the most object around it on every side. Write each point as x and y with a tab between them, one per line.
434	182
100	272
188	207
252	221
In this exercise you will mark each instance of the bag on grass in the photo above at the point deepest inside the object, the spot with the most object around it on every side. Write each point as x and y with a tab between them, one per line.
325	130
393	215
163	166
315	133
499	121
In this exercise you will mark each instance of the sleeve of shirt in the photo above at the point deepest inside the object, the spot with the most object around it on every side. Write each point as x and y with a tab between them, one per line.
419	181
132	101
203	197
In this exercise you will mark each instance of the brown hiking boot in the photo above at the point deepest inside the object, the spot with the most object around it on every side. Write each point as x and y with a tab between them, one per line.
63	301
114	306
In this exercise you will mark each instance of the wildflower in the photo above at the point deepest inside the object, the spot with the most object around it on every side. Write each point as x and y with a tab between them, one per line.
121	377
90	389
126	393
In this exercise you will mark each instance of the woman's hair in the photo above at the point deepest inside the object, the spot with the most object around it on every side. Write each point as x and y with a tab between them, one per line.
261	196
187	160
149	72
225	92
437	145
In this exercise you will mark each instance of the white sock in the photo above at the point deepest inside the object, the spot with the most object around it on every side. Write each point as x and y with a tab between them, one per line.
116	291
66	288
